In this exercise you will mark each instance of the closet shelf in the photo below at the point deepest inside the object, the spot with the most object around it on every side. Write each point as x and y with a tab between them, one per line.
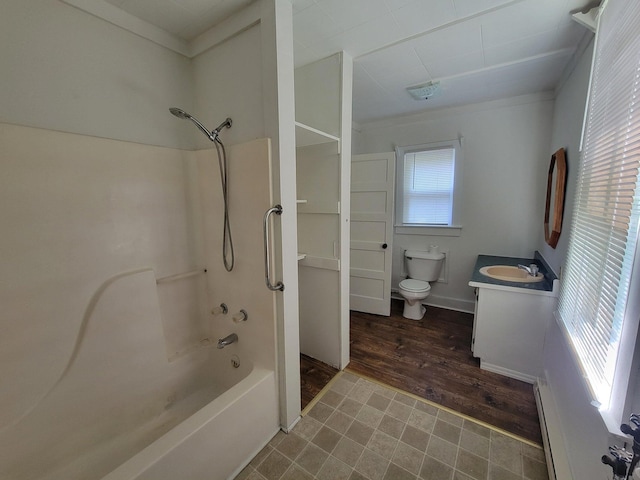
320	262
306	136
320	207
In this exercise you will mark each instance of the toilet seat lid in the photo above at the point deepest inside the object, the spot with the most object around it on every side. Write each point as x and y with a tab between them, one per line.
416	286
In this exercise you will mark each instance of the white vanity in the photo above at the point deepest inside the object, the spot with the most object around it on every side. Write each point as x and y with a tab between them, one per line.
511	316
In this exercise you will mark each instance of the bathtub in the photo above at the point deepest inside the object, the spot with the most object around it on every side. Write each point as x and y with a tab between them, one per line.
196	437
217	441
190	440
124	410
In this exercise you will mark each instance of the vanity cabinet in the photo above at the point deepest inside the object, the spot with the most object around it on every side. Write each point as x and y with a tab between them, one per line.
510	321
509	329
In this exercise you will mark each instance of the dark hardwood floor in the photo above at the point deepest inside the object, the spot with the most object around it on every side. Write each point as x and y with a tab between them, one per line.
432	358
314	375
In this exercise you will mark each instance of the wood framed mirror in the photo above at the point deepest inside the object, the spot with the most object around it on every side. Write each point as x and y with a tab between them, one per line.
554	206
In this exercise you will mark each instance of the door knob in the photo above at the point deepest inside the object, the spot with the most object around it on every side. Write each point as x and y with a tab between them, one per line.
384	246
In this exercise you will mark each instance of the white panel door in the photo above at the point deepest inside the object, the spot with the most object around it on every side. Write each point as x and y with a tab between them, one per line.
372	187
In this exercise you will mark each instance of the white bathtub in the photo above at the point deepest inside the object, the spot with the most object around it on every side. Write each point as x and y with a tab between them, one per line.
123	410
217	441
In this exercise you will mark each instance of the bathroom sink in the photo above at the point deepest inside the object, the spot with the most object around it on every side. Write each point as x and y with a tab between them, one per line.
510	273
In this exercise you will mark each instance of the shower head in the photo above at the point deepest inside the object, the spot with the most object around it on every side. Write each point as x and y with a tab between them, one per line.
178	112
212	135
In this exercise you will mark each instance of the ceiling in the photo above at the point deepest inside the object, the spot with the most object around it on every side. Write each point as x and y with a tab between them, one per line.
477	50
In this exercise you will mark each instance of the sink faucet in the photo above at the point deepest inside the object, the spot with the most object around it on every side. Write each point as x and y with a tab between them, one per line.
228	340
532	269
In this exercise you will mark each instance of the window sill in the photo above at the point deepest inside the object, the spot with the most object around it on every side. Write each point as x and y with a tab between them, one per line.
434	230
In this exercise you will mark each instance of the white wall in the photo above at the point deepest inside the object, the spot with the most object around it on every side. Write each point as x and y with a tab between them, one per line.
63	69
228	83
356	140
318	94
279	117
586	438
503	192
568	115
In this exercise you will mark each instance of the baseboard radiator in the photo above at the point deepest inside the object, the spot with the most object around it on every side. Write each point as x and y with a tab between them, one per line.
552	438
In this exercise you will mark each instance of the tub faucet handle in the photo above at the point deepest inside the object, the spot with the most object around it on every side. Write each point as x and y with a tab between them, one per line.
241	316
222	309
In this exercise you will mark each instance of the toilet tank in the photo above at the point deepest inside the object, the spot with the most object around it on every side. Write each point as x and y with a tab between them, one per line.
424	266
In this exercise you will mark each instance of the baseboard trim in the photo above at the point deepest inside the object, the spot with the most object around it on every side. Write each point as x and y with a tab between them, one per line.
552	437
507	372
455	304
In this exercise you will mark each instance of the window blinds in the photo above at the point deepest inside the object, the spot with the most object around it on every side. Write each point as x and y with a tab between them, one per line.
604	232
428	187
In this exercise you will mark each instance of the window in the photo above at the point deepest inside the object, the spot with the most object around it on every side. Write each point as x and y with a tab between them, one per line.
595	306
426	184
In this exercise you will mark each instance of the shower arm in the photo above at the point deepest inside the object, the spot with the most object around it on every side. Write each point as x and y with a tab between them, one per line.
227	123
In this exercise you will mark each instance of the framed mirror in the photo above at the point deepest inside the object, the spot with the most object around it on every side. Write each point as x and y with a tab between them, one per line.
554	206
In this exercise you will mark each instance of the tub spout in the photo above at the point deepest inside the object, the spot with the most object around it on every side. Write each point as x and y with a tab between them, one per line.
228	340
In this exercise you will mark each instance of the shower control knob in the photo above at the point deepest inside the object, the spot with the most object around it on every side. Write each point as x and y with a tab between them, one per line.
384	246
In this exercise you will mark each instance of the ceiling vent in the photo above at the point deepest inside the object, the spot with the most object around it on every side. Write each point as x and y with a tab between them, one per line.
424	91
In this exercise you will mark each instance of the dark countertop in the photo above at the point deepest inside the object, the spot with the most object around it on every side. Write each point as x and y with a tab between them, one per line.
545	285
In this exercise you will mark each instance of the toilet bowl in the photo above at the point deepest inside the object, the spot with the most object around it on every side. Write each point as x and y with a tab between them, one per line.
414	292
423	267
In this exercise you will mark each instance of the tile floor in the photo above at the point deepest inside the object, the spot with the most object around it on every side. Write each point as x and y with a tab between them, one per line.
363	430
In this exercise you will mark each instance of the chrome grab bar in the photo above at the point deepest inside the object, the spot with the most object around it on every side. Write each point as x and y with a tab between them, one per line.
267	262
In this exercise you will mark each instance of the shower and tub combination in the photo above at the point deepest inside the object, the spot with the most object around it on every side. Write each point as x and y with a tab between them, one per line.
146	394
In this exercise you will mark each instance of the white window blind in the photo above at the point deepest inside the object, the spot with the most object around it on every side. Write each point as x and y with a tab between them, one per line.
428	178
604	232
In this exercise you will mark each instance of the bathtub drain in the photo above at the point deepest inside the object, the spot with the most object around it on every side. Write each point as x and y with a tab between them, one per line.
235	361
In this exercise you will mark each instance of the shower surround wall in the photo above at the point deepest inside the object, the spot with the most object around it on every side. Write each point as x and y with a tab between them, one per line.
84	214
76	212
92	349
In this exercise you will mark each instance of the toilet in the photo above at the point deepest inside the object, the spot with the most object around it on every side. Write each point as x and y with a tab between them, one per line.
422	267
